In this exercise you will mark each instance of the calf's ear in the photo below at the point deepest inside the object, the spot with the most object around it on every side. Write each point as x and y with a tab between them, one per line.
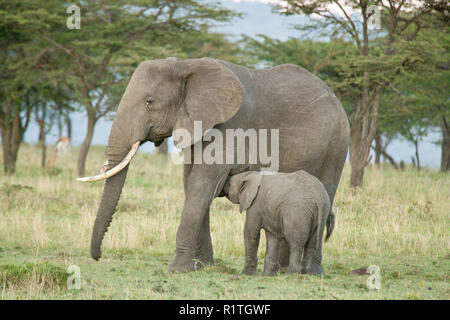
248	189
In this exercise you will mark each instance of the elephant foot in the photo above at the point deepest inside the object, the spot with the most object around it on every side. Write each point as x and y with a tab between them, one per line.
204	258
270	273
294	269
314	269
249	271
183	265
202	262
271	267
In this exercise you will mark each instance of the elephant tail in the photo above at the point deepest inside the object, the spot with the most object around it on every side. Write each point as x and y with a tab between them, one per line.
330	225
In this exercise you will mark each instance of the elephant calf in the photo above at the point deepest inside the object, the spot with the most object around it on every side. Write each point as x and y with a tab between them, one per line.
291	207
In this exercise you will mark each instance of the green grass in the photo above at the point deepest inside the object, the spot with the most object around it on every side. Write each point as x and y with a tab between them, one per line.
398	221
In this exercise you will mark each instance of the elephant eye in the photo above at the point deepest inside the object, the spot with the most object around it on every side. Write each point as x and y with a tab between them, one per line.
148	103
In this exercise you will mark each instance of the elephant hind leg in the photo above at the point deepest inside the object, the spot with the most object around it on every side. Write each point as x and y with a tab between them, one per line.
296	235
295	257
271	261
284	254
312	258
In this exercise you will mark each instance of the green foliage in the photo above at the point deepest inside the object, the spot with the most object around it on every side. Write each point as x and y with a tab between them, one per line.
418	99
316	56
47	67
115	37
41	274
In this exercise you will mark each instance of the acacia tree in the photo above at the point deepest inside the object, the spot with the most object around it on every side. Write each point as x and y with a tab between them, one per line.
319	57
379	58
14	120
418	100
114	37
43	117
427	90
382	141
19	56
441	78
51	104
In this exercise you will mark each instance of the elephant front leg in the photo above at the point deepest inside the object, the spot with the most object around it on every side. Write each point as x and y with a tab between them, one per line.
204	251
252	231
188	235
194	248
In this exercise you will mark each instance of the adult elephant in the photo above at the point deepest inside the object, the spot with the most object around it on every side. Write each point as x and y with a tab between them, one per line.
170	94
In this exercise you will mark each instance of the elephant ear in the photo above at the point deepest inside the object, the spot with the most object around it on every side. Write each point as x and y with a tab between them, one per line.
248	189
213	96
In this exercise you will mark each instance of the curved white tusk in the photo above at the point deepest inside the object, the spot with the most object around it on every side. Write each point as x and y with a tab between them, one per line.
116	169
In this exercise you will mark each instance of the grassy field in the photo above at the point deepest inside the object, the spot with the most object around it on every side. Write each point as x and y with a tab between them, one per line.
399	221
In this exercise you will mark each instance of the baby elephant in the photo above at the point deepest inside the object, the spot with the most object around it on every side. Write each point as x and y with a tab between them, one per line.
291	207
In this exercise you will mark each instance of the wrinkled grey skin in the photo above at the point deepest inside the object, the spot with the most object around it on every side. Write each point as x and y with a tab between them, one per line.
313	134
291	207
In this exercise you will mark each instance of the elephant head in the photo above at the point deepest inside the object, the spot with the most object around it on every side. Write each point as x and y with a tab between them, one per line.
162	96
243	188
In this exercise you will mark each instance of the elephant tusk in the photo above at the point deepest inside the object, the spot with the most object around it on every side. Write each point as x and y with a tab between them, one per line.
116	169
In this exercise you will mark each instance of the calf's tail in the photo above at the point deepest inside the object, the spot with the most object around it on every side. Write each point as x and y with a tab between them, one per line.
330	224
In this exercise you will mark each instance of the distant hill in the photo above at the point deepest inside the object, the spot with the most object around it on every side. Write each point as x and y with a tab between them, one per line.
259	19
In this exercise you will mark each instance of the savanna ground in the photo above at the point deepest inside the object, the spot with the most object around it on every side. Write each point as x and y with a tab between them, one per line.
399	221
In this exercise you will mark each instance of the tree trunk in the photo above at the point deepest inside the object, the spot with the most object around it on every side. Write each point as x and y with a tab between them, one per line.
362	133
68	125
378	148
389	158
44	151
359	156
42	135
9	165
11	130
60	124
416	147
86	144
42	142
164	147
445	146
356	178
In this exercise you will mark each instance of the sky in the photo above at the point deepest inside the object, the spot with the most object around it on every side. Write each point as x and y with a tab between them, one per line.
258	19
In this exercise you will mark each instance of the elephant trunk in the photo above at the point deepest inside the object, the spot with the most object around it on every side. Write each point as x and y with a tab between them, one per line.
118	151
110	198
